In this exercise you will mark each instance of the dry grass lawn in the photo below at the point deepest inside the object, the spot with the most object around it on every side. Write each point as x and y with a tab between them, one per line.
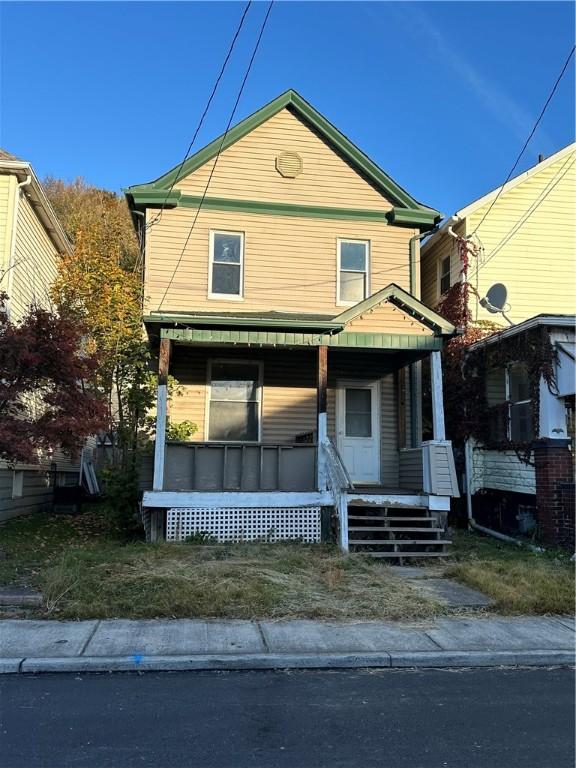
84	571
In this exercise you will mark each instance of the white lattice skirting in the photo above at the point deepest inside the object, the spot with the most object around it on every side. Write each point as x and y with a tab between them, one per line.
236	524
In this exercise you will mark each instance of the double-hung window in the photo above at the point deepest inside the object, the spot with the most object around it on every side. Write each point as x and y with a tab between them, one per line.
353	271
520	422
234	404
226	265
444	278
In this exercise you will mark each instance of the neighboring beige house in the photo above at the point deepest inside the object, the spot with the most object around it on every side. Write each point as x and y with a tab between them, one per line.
526	243
282	291
31	238
524	279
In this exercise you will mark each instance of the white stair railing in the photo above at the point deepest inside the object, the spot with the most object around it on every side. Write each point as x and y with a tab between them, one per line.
338	482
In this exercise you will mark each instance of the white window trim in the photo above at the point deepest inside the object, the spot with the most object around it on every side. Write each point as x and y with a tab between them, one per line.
225	296
234	361
439	280
340	302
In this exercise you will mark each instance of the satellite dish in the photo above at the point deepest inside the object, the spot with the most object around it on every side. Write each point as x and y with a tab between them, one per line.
495	299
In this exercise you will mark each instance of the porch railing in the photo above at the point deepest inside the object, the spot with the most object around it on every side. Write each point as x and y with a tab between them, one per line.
338	482
202	466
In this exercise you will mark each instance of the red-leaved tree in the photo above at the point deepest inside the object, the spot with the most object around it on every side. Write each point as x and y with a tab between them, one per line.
46	397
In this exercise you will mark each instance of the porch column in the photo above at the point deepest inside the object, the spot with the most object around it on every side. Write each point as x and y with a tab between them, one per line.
322	425
161	412
437	396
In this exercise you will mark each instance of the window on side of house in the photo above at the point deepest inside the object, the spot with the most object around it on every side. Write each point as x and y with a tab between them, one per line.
353	274
226	265
444	279
234	401
520	421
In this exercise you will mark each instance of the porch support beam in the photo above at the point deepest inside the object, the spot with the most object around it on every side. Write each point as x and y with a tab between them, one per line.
161	414
322	427
437	396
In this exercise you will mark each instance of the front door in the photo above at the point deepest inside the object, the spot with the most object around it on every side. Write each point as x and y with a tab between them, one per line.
358	430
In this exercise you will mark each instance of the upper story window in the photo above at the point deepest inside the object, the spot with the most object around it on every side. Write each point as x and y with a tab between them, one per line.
226	265
353	265
444	277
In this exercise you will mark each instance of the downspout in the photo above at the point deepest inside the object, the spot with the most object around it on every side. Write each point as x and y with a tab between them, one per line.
11	264
472	524
414	372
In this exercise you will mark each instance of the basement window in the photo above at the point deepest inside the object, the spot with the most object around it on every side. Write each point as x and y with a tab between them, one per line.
235	401
226	265
353	257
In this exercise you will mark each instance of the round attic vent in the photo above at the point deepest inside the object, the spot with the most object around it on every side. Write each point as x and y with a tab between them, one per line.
289	164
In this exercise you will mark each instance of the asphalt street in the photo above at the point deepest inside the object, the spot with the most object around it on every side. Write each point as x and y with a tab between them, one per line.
482	718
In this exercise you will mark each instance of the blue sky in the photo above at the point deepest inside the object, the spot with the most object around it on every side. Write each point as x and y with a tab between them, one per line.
441	95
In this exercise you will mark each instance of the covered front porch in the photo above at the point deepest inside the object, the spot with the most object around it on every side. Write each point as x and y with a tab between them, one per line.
292	429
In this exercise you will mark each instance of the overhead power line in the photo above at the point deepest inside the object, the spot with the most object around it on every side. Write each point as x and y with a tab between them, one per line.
204	113
532	132
225	134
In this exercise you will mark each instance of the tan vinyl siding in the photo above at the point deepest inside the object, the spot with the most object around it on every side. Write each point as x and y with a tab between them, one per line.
387	318
445	246
247	170
537	264
35	262
289	262
36	493
7	186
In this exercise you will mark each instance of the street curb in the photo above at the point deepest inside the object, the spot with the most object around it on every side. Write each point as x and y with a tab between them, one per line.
393	659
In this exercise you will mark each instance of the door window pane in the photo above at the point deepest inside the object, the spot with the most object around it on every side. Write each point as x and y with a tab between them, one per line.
358	413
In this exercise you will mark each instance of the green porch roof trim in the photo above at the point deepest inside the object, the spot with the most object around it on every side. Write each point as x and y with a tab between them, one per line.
421	217
390	341
403	300
292	100
254	321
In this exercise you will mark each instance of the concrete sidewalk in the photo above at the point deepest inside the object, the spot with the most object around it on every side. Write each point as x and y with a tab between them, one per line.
122	645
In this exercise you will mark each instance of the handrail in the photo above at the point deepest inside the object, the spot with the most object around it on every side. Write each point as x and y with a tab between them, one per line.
338	482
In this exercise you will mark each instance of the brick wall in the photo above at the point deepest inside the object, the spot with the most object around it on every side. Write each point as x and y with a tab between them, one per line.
554	466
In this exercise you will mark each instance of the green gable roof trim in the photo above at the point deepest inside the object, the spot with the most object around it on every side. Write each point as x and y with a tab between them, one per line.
151	194
403	300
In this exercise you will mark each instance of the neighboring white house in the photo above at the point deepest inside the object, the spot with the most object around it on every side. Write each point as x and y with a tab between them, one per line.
31	238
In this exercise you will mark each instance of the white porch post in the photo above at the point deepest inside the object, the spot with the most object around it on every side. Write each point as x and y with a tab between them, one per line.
161	413
322	425
437	396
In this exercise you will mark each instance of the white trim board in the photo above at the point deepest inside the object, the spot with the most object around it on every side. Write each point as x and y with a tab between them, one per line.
165	499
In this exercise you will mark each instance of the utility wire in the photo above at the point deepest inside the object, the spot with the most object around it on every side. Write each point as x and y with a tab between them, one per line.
532	132
207	107
225	134
526	215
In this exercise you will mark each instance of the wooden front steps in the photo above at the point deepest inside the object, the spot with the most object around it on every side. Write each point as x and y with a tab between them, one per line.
396	533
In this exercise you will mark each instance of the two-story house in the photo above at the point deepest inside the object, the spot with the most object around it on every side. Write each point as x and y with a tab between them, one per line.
282	291
521	273
31	238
